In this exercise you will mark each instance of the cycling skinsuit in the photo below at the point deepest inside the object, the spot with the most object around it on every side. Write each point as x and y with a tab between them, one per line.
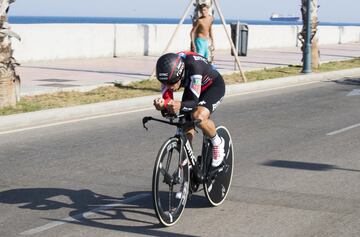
203	85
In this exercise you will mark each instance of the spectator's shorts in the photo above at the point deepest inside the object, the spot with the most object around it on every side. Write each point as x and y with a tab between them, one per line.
202	47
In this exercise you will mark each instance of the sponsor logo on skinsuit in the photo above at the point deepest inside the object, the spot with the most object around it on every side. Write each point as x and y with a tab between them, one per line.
217	104
197	58
186	109
195	85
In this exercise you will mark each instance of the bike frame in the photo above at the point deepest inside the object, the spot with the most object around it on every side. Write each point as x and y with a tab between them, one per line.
202	173
184	142
189	151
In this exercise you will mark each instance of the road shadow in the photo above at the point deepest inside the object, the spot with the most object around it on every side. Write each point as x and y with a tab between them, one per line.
145	88
304	165
87	208
349	81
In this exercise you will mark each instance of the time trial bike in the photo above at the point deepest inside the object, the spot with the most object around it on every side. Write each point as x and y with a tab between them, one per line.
178	173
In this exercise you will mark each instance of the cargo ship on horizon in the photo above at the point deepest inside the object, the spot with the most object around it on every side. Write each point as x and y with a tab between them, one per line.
278	17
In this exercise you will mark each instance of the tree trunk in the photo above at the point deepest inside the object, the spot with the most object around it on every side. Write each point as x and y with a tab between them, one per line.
315	53
9	87
9	80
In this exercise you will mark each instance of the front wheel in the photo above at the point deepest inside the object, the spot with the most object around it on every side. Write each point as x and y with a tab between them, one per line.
170	183
217	184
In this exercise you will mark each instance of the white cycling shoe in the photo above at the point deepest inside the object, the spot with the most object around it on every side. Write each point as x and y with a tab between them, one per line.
218	154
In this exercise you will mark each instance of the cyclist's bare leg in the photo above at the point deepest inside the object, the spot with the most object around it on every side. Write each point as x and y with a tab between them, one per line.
206	125
209	129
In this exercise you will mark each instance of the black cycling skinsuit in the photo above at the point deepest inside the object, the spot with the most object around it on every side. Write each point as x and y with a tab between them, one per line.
203	85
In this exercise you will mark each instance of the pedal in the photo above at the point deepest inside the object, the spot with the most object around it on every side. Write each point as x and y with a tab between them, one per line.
213	173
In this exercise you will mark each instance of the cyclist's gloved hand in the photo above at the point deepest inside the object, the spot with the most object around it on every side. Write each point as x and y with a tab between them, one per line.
159	103
166	114
173	106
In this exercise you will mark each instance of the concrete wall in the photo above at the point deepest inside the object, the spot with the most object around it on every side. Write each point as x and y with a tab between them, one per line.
349	34
329	35
61	41
130	39
64	41
266	36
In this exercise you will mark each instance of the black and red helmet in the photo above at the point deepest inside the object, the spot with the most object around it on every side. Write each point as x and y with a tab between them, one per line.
170	68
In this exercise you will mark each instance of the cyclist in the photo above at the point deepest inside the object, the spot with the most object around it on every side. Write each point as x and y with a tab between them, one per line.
204	89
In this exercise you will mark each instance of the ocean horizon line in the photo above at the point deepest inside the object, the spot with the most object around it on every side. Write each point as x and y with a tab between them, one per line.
149	20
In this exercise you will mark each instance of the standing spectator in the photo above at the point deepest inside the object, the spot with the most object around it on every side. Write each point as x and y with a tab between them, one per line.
201	33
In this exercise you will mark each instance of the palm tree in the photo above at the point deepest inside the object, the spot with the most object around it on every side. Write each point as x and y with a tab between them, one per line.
9	80
315	53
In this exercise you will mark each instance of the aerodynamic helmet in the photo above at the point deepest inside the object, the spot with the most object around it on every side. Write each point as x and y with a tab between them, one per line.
170	68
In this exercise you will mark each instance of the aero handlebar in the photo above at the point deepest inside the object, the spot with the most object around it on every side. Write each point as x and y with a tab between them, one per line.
180	123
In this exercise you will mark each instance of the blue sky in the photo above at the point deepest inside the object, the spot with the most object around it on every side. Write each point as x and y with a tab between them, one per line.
330	10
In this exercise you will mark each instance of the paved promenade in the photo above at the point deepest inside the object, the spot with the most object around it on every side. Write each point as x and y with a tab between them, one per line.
50	76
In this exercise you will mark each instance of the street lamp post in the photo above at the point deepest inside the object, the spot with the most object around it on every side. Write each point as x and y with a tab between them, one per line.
307	48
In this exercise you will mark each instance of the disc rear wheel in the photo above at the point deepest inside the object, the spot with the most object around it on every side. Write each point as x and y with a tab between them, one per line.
217	184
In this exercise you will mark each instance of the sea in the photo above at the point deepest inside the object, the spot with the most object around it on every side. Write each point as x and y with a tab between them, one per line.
130	20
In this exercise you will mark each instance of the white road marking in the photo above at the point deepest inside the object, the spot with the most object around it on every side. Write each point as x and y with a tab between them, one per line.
343	129
82	215
73	121
354	92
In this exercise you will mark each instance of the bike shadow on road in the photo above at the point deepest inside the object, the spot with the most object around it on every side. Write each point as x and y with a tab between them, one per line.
305	165
349	81
132	213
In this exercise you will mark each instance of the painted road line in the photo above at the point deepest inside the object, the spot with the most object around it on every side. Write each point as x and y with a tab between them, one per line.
82	215
354	92
343	129
73	121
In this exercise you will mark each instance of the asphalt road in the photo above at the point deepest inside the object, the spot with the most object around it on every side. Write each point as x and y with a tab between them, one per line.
297	171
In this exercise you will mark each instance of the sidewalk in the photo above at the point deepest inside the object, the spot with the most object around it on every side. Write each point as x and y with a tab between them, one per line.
83	74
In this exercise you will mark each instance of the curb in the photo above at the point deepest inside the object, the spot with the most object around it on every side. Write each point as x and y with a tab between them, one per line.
292	80
38	118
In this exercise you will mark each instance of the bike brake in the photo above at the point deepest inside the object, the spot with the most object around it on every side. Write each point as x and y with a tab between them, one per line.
145	120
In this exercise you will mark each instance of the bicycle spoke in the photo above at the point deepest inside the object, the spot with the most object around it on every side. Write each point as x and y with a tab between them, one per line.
170	194
168	179
168	160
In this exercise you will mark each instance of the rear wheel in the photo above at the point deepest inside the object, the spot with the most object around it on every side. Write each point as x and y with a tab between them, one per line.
217	184
170	176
